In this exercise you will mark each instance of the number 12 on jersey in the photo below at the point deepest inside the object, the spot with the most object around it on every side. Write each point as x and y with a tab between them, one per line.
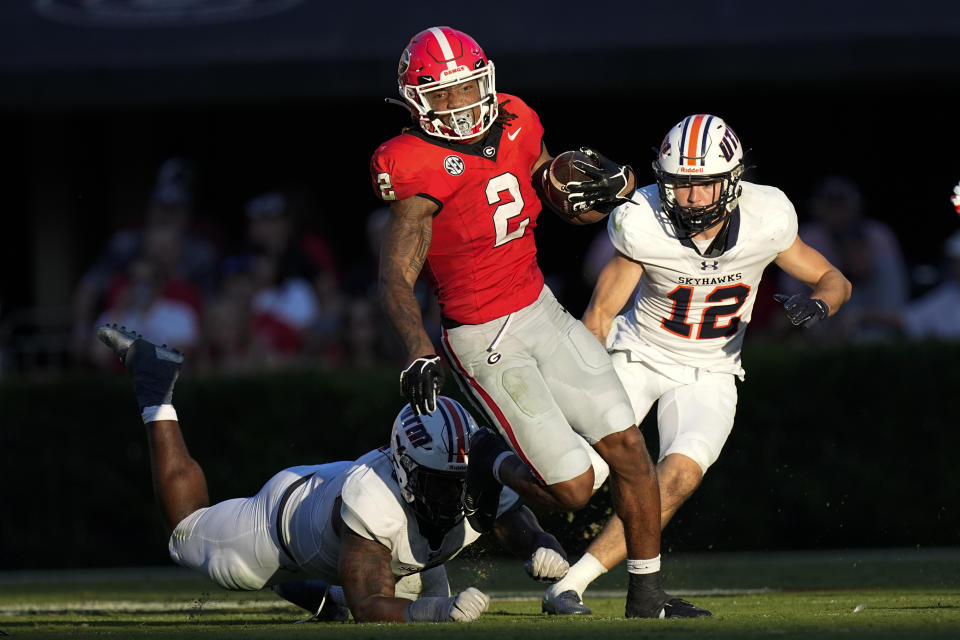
715	321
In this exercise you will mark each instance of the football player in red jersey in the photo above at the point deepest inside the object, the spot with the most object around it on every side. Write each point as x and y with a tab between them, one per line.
463	189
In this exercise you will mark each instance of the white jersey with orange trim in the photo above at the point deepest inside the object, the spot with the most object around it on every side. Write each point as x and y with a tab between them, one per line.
690	309
373	508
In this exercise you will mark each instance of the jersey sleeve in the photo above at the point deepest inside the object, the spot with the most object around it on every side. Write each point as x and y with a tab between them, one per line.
622	227
782	221
369	508
395	172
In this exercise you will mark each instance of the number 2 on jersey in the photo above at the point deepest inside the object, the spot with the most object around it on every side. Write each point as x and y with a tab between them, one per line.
710	326
506	210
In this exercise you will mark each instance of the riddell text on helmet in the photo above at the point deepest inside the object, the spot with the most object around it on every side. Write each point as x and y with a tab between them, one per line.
691	169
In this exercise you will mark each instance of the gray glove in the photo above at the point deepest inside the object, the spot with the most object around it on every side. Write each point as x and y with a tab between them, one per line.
546	565
466	606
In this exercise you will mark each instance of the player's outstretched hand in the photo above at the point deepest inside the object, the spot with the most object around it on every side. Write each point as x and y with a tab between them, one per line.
955	198
468	605
607	188
546	565
803	310
421	382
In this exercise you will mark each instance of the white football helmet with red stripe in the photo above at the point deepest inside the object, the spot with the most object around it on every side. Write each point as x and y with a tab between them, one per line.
439	58
430	453
700	148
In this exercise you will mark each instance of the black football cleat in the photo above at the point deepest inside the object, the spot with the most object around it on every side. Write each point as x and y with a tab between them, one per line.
662	606
566	603
154	369
482	496
680	608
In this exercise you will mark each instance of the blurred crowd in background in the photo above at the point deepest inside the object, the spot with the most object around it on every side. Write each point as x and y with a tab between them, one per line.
287	297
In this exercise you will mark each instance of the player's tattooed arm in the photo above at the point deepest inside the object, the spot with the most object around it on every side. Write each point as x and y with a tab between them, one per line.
402	256
368	582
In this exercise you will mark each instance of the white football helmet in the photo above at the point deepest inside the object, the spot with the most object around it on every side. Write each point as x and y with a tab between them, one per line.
700	148
430	454
438	58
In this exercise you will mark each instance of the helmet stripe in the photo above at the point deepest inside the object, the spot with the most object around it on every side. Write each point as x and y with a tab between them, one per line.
690	144
445	48
458	436
705	140
447	426
683	139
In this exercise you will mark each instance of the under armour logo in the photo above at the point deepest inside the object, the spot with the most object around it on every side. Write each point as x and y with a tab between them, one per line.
704	266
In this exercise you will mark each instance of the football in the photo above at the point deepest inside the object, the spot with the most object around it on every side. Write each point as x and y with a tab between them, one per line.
555	179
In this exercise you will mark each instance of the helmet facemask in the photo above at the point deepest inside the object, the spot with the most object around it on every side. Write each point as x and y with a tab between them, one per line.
691	220
441	58
461	123
429	454
436	497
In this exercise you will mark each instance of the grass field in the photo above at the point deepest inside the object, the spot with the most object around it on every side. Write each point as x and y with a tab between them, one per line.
894	593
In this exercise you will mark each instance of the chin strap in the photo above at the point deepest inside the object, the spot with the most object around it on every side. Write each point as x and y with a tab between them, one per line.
399	103
719	243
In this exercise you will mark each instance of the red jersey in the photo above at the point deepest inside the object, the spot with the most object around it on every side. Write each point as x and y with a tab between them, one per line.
482	258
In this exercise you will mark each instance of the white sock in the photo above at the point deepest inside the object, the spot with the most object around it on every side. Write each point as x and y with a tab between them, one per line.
158	412
499	463
644	566
581	574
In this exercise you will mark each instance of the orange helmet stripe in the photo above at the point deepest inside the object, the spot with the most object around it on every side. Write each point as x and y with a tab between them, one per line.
692	152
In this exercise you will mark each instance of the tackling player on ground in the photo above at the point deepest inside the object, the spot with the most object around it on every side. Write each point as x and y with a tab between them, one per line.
696	242
462	188
381	526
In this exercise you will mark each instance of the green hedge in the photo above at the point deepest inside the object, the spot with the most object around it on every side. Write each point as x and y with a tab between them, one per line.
832	448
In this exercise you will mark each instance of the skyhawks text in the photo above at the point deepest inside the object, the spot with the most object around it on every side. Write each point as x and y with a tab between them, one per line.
733	277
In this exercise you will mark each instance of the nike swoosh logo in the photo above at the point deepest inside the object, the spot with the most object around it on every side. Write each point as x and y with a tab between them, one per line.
514	134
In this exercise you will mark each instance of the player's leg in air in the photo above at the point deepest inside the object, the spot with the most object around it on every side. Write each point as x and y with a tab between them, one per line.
178	480
181	487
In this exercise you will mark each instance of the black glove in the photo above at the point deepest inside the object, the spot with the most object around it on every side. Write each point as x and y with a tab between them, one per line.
421	382
803	310
607	189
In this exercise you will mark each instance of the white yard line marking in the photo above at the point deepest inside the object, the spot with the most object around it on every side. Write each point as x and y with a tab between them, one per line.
214	604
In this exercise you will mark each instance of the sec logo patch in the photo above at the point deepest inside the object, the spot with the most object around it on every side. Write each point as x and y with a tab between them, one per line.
454	165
